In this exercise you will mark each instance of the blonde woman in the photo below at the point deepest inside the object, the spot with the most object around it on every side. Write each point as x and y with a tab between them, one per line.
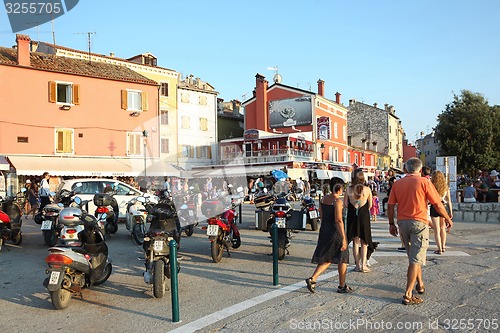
358	200
437	221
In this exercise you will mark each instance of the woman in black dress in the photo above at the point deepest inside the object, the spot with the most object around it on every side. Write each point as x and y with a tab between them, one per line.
332	241
358	200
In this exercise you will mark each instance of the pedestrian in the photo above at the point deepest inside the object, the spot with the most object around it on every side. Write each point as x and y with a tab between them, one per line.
426	172
438	223
470	193
332	244
411	194
300	186
167	188
375	209
33	200
358	200
27	206
307	188
389	187
44	190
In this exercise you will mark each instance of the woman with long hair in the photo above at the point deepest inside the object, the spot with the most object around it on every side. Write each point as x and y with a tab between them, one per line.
438	222
358	200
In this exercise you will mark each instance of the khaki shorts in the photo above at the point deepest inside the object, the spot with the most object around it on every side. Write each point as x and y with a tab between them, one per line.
415	236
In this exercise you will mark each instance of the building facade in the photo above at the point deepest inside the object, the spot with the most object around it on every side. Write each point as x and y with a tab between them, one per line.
380	130
428	148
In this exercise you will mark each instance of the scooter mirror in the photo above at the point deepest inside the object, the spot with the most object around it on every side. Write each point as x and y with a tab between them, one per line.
77	200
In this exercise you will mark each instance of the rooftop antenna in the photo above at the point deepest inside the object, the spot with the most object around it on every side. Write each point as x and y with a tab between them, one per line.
53	32
89	38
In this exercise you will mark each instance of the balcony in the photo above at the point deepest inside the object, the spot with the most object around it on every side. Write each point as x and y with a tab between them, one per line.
267	156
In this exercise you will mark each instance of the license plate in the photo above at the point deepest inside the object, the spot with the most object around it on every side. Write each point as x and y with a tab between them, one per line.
281	222
46	225
212	230
313	214
158	246
54	277
191	213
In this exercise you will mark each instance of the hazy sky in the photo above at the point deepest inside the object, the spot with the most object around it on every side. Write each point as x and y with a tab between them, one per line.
411	54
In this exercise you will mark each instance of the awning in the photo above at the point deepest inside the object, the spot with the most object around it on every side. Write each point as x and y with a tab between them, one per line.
297	173
344	175
74	166
235	171
164	169
4	164
322	174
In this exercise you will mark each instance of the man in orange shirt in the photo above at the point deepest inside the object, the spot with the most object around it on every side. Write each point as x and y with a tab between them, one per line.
411	193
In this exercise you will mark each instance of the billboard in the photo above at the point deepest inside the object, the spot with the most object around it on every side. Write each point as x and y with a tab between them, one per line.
290	112
324	128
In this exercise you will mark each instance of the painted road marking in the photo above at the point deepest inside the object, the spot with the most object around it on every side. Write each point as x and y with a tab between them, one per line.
233	309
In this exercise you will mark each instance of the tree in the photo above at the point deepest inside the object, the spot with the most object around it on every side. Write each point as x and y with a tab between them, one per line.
466	129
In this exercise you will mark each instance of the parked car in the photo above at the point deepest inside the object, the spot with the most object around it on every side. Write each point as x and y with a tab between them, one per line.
86	188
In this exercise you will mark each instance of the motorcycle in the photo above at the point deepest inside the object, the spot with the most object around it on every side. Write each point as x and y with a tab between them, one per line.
164	228
48	217
137	217
10	218
187	212
106	213
79	265
311	212
222	230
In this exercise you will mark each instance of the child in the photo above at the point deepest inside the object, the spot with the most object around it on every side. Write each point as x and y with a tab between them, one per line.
375	210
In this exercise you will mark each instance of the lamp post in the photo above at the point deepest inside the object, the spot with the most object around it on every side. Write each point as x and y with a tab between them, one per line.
322	150
145	136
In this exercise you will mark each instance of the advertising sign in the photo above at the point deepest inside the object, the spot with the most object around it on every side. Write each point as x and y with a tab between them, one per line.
324	128
290	112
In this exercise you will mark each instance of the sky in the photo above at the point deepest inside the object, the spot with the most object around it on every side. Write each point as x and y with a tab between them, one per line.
414	55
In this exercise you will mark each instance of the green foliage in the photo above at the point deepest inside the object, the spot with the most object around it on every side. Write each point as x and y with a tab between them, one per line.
468	129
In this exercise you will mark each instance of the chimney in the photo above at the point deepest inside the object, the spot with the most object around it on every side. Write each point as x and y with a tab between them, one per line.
112	54
386	107
321	87
23	50
352	102
261	102
375	105
337	97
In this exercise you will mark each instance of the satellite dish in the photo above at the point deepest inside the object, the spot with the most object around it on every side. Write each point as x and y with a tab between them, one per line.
277	78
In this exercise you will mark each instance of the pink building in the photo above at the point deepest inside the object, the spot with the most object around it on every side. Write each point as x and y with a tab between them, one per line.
74	117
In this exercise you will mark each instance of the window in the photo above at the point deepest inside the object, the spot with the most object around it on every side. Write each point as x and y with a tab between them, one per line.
134	100
203	124
203	100
164	117
349	138
64	141
22	139
344	133
64	93
185	98
164	146
164	89
187	151
185	120
134	143
356	159
336	130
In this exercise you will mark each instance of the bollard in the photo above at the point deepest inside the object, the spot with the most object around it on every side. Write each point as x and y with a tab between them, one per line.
241	216
274	235
174	283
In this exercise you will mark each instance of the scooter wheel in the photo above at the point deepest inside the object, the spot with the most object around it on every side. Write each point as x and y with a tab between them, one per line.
60	298
189	231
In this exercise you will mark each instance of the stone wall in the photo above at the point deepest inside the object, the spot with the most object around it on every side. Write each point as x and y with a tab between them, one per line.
477	212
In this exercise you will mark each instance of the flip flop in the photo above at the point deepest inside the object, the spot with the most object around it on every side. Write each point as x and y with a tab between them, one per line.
420	290
437	252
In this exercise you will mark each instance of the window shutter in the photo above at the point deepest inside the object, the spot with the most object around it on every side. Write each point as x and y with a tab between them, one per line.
124	100
68	141
209	152
198	151
191	151
144	97
52	92
76	94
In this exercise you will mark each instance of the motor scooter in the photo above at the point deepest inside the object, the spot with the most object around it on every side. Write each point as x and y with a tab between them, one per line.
48	217
78	265
10	218
311	212
187	212
137	216
106	213
69	221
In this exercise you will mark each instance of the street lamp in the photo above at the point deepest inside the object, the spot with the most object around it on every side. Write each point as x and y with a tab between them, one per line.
145	136
322	150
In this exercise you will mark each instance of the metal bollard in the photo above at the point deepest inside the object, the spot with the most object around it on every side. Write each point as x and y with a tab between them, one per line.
274	235
174	283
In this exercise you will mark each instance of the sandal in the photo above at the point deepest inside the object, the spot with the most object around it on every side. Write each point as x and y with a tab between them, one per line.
356	269
311	285
345	289
420	289
414	300
438	252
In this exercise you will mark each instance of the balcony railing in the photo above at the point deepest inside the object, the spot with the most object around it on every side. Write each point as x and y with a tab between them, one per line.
268	155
